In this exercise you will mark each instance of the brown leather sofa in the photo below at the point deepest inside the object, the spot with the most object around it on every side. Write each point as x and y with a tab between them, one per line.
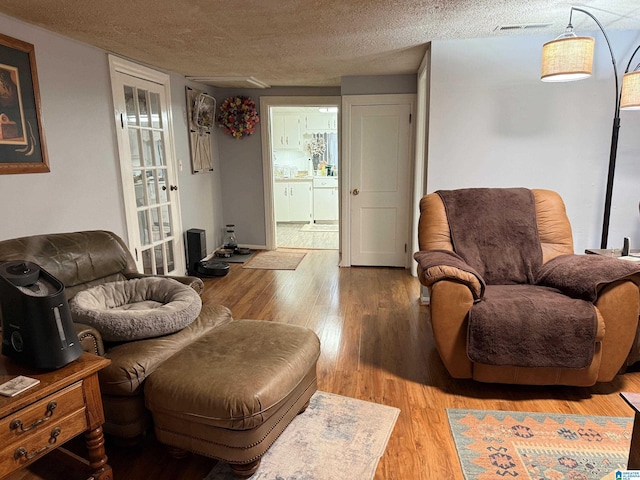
454	290
85	259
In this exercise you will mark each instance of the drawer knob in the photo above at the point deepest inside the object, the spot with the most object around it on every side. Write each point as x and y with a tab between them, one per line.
16	424
22	452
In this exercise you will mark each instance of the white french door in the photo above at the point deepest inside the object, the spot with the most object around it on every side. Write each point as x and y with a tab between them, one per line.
147	163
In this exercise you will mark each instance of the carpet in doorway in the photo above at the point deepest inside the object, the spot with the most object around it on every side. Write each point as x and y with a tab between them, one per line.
319	227
335	438
275	260
539	446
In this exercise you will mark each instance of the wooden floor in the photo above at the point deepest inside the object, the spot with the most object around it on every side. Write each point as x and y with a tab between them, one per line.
376	346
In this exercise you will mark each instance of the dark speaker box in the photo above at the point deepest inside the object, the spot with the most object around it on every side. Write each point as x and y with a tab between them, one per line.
196	248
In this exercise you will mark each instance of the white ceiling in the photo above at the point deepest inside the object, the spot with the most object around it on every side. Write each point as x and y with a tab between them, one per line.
300	42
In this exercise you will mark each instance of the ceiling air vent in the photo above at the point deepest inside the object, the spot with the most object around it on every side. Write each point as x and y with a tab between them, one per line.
521	26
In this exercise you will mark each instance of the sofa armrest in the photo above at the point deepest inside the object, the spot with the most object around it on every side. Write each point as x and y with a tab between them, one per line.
90	339
584	276
438	265
194	282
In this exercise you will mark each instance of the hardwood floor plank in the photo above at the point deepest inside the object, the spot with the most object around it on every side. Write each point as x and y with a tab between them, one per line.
377	346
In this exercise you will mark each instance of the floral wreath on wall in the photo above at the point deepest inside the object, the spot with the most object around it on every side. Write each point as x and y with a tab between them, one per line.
238	116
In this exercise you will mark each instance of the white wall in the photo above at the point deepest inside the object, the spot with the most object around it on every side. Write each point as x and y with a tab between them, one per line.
378	84
200	194
241	160
493	123
83	189
241	168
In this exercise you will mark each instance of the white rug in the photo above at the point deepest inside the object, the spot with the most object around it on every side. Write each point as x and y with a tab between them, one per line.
335	438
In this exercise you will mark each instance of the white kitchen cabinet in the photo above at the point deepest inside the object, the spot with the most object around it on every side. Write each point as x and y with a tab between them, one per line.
293	201
325	199
320	122
281	201
287	133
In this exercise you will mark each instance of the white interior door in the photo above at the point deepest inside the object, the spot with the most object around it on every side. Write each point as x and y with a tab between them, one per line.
147	165
380	186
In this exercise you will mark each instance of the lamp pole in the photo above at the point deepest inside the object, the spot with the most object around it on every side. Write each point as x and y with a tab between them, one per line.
555	68
613	151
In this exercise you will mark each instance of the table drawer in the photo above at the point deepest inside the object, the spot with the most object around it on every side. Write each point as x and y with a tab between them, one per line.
41	414
40	441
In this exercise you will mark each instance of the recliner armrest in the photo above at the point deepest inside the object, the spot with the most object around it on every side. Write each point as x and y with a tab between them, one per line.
437	265
194	282
90	339
583	276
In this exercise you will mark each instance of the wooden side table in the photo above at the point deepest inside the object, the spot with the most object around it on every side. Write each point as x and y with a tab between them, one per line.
63	405
633	399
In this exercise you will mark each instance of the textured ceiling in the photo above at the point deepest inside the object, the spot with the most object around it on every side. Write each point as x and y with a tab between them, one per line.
300	42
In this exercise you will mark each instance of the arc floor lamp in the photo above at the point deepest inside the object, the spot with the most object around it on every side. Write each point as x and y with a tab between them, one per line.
570	57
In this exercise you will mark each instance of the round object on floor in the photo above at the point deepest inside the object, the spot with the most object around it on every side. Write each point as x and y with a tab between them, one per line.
242	251
212	268
224	252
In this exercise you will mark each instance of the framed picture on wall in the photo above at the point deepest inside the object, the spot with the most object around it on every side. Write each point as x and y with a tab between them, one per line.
201	109
22	145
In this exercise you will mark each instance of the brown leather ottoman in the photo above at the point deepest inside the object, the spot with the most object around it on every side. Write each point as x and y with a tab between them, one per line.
230	394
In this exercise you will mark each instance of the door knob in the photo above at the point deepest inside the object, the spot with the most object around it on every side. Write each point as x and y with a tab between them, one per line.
355	191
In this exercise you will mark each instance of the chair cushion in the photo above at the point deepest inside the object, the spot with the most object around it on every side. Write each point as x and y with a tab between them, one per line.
136	309
532	326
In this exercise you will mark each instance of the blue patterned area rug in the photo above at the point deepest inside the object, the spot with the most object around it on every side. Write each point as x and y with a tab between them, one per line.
539	446
334	434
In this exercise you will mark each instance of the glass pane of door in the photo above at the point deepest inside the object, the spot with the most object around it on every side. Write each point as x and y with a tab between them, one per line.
153	193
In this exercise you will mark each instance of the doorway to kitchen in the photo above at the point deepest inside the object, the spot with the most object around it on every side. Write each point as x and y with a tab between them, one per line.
301	171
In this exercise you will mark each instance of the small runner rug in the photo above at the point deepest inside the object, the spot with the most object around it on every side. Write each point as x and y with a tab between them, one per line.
275	260
498	445
335	438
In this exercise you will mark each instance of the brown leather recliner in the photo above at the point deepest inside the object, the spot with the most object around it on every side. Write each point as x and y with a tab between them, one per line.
458	292
81	260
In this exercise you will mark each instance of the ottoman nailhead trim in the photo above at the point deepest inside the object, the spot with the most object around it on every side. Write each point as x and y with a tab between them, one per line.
236	448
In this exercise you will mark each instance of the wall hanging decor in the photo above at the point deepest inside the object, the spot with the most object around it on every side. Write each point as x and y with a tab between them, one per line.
238	116
201	108
22	147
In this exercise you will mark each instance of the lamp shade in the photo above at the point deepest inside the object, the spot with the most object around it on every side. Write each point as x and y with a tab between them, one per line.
630	97
567	59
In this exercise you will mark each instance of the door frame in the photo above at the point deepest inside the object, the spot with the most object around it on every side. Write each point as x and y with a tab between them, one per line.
348	102
421	151
120	65
266	102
